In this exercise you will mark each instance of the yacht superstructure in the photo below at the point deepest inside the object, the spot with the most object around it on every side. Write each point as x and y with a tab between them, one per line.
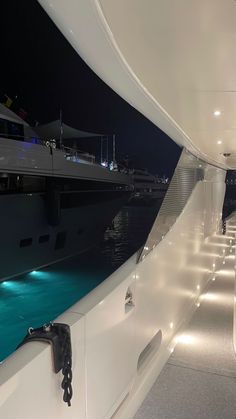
147	187
173	61
54	202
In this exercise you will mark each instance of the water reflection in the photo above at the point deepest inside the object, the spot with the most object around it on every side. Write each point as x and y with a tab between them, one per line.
40	296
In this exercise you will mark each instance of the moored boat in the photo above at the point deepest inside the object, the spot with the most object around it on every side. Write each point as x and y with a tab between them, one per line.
55	202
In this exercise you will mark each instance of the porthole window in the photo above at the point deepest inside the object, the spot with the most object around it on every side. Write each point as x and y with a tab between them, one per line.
26	242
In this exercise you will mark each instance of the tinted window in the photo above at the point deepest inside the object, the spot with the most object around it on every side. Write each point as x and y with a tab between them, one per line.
26	242
15	131
44	239
3	128
60	240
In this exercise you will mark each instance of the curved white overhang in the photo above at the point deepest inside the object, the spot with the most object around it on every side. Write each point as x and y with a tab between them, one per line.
173	60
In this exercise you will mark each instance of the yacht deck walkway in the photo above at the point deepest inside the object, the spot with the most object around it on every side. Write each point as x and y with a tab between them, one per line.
199	380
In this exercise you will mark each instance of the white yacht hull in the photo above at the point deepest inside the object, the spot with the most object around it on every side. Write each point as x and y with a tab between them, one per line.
52	207
27	240
118	348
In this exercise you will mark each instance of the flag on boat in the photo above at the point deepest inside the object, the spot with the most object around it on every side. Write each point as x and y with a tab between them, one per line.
8	101
22	113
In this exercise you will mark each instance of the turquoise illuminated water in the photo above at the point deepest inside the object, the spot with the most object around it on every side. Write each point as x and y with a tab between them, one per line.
38	297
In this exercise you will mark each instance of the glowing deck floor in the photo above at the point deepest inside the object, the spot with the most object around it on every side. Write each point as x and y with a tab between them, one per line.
199	381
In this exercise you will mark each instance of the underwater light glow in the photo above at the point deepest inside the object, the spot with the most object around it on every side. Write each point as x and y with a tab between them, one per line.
10	284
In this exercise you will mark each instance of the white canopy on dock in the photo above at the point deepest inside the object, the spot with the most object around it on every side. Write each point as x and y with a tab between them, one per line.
53	130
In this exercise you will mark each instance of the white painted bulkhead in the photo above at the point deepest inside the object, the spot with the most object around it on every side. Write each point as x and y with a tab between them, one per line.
109	337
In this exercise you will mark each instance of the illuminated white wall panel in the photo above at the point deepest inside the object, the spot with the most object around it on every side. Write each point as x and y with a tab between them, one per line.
119	348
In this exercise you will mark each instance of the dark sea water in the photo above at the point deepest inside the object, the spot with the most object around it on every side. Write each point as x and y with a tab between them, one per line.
38	297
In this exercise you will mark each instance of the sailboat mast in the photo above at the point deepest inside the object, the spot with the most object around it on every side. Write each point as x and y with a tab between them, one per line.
114	148
61	129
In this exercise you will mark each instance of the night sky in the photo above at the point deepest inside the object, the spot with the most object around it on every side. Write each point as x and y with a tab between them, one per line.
43	70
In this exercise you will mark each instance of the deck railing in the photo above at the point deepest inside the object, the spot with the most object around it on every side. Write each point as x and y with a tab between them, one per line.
72	154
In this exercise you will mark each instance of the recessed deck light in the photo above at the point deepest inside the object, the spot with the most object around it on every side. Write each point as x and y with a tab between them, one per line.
217	113
219	142
186	339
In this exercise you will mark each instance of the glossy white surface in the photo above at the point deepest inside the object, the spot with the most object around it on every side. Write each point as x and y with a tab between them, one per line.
202	367
109	337
231	225
188	172
172	60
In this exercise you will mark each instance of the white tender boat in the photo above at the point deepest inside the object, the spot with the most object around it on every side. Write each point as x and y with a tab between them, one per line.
175	62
